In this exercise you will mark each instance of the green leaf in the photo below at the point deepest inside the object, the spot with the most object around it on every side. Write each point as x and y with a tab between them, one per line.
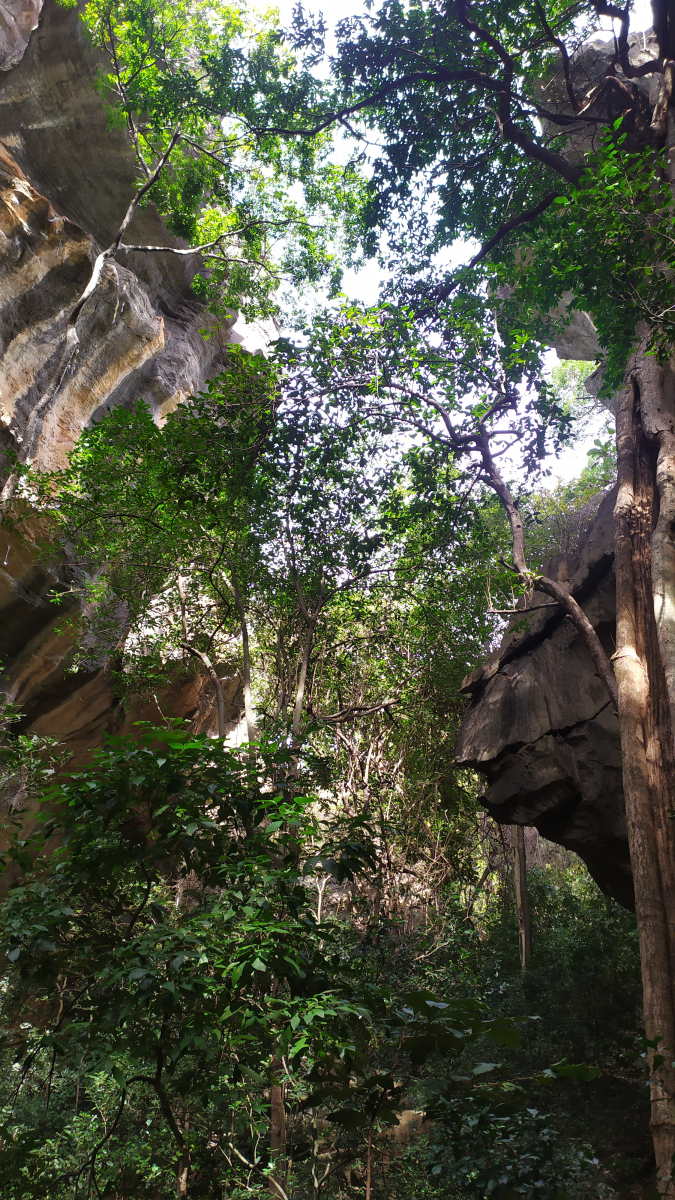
580	1071
348	1119
503	1032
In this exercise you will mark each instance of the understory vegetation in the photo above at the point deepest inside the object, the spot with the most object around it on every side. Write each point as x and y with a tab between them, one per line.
290	966
218	944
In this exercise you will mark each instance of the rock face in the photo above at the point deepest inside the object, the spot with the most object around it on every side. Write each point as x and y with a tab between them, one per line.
541	727
17	22
66	180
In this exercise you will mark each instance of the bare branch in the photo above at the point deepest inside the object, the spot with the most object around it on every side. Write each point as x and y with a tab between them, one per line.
142	191
563	53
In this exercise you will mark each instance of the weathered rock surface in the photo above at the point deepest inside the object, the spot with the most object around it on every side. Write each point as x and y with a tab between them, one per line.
66	179
541	727
17	22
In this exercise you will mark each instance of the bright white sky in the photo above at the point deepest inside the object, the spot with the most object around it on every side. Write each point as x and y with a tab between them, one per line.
364	285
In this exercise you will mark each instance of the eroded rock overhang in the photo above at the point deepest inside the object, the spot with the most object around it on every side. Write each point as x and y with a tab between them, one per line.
541	727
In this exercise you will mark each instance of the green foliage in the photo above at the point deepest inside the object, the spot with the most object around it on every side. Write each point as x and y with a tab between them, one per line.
557	519
153	503
422	77
323	512
517	1132
168	940
568	381
164	966
447	167
270	209
584	977
165	936
610	242
504	1150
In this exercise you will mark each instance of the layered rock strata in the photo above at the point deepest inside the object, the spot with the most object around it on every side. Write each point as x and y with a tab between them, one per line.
66	180
541	728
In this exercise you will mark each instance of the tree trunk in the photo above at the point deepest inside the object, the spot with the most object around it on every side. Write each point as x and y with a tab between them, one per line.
645	668
302	682
183	1164
369	1161
251	728
277	1131
233	585
522	903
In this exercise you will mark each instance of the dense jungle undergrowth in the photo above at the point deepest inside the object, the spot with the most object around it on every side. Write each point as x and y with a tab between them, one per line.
206	955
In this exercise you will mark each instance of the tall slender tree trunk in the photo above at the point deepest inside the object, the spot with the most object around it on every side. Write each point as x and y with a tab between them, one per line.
302	681
249	714
522	902
645	669
277	1131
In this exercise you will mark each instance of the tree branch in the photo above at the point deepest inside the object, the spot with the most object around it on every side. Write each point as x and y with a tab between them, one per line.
531	214
542	583
556	41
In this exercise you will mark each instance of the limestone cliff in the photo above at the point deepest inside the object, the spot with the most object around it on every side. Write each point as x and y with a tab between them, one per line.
541	727
66	179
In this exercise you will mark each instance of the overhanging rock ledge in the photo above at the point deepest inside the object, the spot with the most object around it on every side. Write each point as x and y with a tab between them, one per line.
541	728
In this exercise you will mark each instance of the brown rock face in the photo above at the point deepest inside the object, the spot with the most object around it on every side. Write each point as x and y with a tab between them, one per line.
541	727
66	180
18	19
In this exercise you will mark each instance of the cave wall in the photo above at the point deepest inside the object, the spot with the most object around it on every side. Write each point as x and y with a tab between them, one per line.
66	180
